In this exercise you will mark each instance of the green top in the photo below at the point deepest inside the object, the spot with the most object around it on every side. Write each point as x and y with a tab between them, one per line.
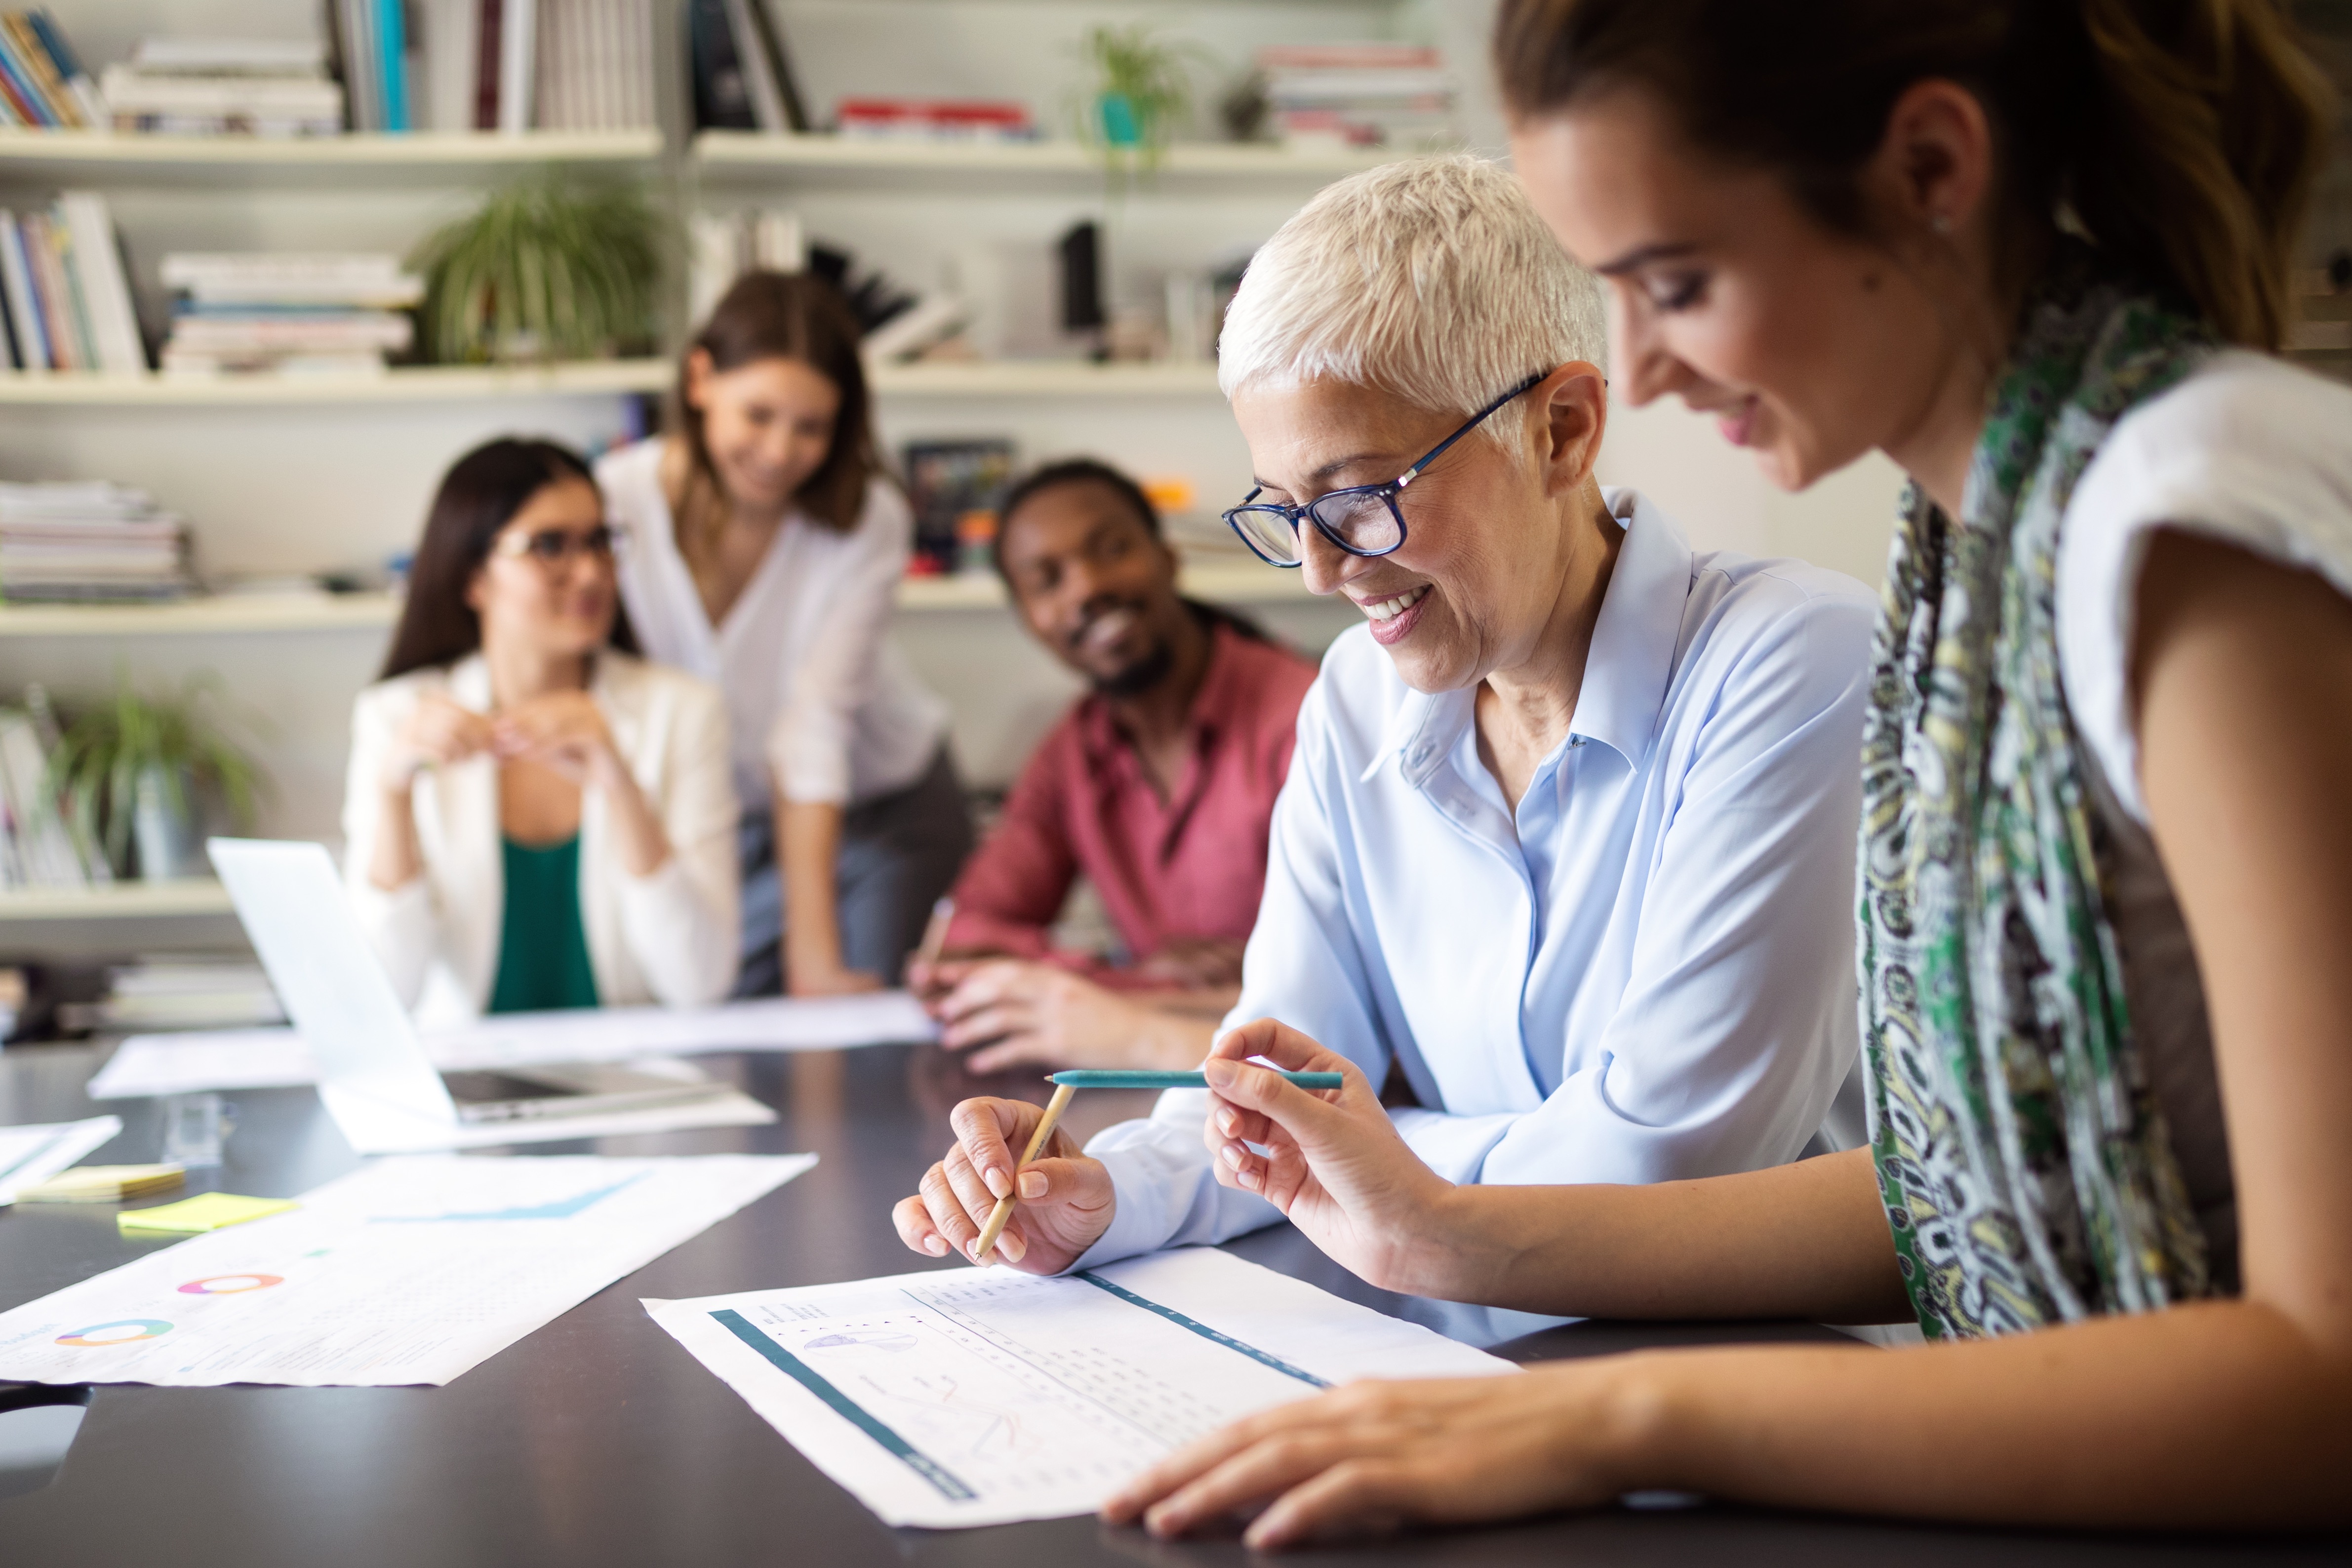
542	947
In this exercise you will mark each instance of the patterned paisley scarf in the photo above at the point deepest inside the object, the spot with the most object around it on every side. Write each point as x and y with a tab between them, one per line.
2026	1170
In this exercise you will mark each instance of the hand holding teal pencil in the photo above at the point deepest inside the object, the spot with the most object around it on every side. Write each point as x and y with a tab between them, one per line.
1334	1163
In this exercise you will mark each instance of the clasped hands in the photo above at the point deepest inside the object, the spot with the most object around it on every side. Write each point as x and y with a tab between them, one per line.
562	730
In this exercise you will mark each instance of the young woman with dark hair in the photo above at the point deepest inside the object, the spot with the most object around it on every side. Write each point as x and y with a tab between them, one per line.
2039	253
535	816
769	547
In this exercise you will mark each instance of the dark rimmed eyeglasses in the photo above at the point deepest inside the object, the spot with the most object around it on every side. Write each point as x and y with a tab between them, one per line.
555	548
1363	520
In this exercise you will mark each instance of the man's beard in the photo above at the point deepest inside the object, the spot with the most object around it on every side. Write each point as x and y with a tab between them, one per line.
1139	676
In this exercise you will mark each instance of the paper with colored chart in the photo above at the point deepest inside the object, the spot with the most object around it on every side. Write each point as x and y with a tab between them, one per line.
409	1270
982	1397
206	1059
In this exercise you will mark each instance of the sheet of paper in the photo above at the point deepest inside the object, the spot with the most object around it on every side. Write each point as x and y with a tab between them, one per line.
408	1270
370	1127
982	1396
32	1154
271	1059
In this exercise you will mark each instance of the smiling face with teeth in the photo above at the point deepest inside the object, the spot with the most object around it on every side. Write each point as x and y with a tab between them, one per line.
1500	545
1097	586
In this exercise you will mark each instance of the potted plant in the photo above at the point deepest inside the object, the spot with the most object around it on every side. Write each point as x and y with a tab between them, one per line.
132	770
1142	92
545	270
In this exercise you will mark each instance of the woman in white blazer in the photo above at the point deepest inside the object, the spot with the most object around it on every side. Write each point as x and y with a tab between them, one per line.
534	816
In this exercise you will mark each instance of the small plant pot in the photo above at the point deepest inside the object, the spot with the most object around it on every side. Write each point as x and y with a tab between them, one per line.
164	827
1121	125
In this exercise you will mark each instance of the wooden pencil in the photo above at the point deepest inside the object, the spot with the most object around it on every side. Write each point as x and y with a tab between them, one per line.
1004	1210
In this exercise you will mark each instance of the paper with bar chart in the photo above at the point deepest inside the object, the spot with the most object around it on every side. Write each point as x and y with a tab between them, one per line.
982	1397
408	1270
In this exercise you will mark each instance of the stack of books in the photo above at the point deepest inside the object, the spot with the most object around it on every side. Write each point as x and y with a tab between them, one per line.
42	83
495	65
68	290
187	992
89	542
38	846
214	87
286	314
742	72
933	119
1359	95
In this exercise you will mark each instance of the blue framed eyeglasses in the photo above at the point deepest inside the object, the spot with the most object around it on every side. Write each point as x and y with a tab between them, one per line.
1363	520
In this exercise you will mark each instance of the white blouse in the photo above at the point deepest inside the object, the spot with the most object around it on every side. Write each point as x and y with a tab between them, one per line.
821	706
2253	452
669	937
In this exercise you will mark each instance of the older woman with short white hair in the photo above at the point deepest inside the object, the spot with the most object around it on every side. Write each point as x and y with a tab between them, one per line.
1565	854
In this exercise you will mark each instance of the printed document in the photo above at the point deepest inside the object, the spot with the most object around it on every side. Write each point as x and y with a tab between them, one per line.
982	1397
31	1156
199	1060
408	1270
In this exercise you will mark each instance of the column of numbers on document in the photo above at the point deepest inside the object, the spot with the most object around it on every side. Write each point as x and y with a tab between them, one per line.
1012	1384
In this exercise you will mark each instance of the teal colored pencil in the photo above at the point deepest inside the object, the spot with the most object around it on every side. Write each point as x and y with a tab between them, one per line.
1106	1077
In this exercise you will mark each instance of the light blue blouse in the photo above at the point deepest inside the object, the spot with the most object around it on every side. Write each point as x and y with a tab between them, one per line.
1644	973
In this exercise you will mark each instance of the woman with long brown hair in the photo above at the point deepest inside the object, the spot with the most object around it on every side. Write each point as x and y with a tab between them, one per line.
535	816
772	544
2038	252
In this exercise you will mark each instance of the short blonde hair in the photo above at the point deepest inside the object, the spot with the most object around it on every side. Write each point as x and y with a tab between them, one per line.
1431	280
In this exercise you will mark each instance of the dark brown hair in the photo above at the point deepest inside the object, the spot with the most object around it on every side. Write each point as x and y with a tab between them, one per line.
2184	136
479	497
794	316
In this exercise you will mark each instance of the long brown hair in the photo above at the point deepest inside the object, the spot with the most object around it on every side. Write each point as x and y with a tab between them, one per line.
479	497
794	316
2183	135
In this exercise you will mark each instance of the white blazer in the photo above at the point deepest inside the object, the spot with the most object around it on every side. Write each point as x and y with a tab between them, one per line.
669	937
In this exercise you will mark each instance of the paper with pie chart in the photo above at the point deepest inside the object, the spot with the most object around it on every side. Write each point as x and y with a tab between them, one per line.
984	1396
409	1270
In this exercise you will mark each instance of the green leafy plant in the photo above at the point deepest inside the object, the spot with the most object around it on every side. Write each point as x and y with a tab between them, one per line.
546	271
1142	92
165	738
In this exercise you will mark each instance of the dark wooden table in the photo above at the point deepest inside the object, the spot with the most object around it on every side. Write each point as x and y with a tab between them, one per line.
597	1440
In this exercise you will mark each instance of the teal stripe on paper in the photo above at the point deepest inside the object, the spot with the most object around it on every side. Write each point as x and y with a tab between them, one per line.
1201	1329
848	1409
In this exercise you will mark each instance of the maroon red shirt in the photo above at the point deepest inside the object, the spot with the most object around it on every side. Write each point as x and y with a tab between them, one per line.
1190	865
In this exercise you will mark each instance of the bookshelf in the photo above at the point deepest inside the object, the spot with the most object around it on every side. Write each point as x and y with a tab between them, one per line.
1019	378
118	901
735	156
1224	581
106	158
403	384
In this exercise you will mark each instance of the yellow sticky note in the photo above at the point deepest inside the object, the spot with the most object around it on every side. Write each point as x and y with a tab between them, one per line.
205	1211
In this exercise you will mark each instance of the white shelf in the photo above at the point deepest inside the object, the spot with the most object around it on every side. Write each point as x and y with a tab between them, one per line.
408	385
747	156
125	157
1042	378
229	614
1220	581
1225	581
120	900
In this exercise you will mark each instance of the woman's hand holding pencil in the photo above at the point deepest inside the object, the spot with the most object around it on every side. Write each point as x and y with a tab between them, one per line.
1064	1200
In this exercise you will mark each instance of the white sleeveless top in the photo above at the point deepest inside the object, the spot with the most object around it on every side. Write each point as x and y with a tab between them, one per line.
2252	452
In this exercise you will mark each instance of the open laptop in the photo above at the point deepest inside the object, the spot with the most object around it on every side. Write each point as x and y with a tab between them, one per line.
290	898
